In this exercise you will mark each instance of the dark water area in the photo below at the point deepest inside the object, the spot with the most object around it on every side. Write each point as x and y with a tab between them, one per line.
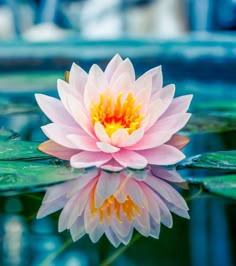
207	239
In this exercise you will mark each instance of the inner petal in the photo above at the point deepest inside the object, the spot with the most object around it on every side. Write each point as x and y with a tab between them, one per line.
117	113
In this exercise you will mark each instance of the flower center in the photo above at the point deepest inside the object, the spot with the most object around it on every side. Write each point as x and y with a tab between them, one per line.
128	207
115	113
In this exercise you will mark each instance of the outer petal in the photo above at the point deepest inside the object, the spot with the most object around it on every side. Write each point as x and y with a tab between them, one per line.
163	155
86	159
75	108
112	66
57	150
77	79
178	105
171	124
58	133
83	142
178	141
130	159
125	67
151	140
165	96
54	110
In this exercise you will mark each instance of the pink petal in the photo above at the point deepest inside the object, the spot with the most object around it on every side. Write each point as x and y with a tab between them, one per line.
179	211
112	66
83	142
157	79
101	133
75	108
122	84
56	150
54	110
151	140
143	86
90	220
178	141
171	124
133	138
125	239
119	136
58	133
124	67
167	174
178	105
165	96
162	155
107	148
130	159
112	165
77	79
107	184
86	159
152	114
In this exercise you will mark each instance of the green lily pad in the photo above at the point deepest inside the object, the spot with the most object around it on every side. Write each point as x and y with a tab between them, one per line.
225	160
6	134
224	185
20	150
21	176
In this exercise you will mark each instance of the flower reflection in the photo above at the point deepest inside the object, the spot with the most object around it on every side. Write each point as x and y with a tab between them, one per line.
110	119
115	203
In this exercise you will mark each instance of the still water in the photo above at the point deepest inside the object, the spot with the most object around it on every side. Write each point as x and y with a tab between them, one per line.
207	239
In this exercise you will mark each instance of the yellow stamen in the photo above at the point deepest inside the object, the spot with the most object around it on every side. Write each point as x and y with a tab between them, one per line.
115	113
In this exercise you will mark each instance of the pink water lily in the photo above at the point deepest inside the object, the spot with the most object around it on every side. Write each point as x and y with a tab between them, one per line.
110	119
115	204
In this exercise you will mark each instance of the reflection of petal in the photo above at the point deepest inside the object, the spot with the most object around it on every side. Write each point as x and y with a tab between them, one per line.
114	204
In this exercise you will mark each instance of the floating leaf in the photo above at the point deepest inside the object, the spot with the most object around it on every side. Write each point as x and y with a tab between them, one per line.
20	150
225	160
19	176
224	185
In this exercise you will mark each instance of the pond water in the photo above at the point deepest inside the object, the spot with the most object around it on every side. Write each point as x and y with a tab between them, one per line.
207	239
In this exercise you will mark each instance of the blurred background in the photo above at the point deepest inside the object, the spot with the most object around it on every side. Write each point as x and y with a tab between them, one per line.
193	40
50	20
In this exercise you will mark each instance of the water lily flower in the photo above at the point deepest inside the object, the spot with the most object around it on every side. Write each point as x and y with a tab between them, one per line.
110	119
100	202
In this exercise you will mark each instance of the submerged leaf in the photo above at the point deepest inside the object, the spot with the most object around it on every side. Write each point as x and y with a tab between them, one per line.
225	160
